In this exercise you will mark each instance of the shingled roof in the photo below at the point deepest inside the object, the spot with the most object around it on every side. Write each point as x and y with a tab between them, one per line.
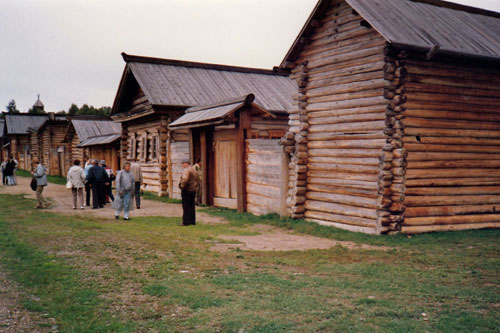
187	84
19	123
88	128
448	28
215	113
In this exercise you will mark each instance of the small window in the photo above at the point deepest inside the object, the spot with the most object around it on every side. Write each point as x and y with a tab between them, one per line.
154	148
144	155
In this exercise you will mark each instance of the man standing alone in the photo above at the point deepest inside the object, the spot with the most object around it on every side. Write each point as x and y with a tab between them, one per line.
189	185
135	169
124	192
41	181
97	178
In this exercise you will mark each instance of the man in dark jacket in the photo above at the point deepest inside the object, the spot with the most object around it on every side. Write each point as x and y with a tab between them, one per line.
9	171
97	178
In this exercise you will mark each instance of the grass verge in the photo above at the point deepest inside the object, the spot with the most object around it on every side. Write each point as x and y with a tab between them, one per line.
55	287
152	196
149	274
52	179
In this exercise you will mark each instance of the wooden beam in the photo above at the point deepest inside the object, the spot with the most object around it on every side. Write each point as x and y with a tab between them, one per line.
204	164
244	124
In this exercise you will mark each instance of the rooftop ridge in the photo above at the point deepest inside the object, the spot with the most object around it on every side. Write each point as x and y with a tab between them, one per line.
171	62
457	6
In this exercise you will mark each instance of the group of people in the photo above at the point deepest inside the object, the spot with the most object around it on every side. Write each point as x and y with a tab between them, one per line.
96	178
9	167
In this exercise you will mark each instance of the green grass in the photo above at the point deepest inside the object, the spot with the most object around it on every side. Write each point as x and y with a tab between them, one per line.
55	286
149	274
51	179
152	196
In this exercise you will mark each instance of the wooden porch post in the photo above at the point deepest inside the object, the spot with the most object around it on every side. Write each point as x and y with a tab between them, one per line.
163	136
204	164
244	123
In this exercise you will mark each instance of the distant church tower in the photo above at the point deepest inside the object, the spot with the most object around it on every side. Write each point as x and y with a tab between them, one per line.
38	104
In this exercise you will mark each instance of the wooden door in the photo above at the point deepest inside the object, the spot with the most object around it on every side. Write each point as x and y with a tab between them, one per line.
225	169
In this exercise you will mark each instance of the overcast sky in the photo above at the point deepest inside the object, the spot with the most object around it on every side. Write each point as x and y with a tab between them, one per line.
68	51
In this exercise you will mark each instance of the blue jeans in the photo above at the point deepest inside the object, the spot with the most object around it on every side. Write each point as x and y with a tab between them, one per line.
125	205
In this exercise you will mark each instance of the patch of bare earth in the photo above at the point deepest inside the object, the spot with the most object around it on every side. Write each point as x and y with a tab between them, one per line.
13	317
276	239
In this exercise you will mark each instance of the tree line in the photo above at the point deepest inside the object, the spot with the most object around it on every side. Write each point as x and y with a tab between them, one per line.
85	109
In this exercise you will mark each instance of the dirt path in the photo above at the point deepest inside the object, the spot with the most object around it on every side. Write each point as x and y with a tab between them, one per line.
63	203
269	238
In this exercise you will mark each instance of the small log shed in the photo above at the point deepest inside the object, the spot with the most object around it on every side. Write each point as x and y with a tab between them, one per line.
93	137
17	141
397	119
154	92
50	145
242	166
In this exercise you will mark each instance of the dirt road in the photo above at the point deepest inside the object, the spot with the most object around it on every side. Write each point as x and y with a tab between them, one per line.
63	203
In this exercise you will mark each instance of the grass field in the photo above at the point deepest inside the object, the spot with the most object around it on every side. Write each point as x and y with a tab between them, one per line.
149	274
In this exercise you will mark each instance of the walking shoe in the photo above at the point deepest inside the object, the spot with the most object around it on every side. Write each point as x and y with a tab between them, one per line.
117	217
127	218
82	207
74	207
138	207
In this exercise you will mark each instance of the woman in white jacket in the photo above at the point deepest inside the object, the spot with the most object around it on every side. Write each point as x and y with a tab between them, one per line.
76	177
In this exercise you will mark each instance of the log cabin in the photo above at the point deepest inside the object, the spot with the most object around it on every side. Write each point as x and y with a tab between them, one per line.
51	148
153	93
18	142
93	137
396	124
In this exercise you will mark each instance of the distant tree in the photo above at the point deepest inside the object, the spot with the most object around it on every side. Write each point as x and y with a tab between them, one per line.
12	108
36	110
73	109
87	110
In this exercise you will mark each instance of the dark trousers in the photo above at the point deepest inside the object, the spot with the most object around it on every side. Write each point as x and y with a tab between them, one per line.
109	192
188	207
87	194
137	194
98	194
4	178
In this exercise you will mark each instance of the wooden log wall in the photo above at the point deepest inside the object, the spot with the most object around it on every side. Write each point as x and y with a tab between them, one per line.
452	136
76	153
24	145
336	136
140	148
263	176
392	176
35	145
179	152
45	144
